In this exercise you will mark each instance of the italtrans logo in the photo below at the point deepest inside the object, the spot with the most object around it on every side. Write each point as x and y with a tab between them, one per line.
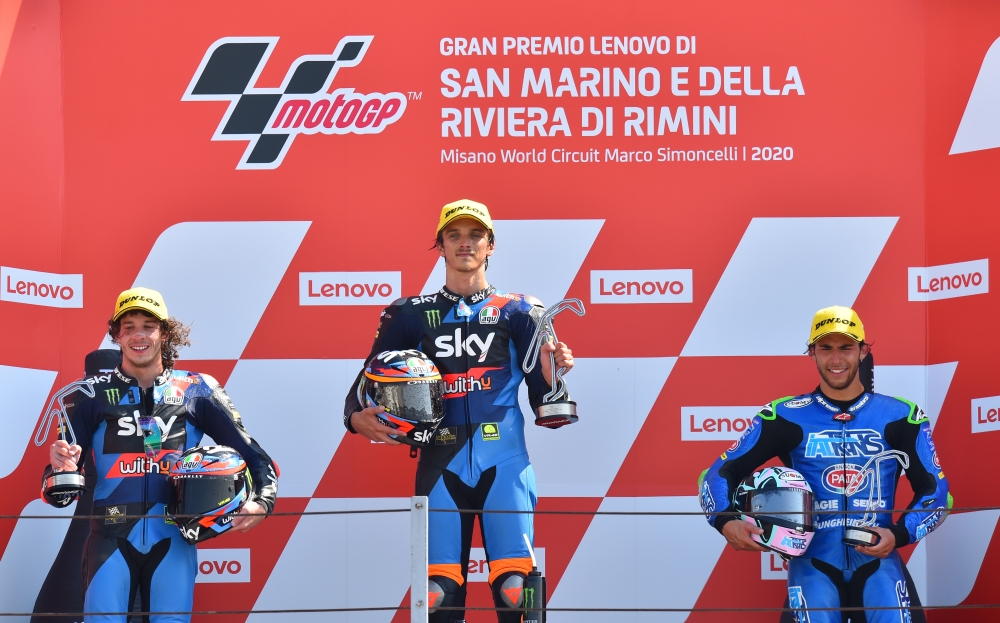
844	444
271	118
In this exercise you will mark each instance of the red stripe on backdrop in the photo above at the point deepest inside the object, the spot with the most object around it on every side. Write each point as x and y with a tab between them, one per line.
266	542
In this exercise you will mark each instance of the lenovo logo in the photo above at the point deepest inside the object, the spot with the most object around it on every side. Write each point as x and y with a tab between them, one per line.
223	565
479	567
715	423
948	281
641	286
985	414
381	288
37	288
773	567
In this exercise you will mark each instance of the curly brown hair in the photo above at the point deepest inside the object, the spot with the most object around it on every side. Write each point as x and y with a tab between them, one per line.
175	335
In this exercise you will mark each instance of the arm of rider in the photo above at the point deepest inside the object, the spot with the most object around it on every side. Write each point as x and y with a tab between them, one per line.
564	359
249	516
64	457
887	543
738	534
366	423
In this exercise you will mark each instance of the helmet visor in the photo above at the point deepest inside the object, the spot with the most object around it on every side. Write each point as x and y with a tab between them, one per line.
206	494
417	401
787	507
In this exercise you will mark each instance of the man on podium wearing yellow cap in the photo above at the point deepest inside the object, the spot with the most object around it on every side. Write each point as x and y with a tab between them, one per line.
477	336
850	445
142	416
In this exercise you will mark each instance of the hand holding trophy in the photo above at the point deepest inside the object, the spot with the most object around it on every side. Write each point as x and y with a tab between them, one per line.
556	408
62	483
859	533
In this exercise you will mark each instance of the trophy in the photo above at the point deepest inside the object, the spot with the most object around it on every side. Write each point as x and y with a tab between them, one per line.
556	408
60	483
860	533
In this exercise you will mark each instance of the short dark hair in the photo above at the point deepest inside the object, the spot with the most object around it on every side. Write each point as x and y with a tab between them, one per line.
175	335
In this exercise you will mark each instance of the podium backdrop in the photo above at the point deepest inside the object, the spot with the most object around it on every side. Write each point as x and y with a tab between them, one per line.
703	175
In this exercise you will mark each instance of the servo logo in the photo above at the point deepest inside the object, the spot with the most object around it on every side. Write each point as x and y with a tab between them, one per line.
271	118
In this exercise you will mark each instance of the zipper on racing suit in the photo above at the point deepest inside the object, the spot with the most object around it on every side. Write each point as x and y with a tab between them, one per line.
843	467
469	431
146	465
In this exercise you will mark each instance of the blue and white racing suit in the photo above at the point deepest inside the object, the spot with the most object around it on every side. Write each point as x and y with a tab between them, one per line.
478	459
830	451
147	554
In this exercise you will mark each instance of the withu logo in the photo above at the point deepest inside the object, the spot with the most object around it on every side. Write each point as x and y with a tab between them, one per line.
980	126
270	118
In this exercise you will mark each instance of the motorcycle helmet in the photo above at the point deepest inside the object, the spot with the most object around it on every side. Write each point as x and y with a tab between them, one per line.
209	485
408	385
779	501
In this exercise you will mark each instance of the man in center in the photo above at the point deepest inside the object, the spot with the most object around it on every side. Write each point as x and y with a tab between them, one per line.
477	336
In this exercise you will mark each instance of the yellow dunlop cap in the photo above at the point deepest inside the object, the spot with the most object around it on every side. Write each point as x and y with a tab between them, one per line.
140	298
836	319
462	208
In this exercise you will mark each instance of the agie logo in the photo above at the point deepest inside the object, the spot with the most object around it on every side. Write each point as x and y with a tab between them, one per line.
270	118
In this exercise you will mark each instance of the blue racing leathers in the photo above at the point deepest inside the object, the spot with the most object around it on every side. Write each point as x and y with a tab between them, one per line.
847	457
478	459
126	554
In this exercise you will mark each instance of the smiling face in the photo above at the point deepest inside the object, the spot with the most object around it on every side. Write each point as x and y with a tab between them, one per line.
465	245
141	339
838	359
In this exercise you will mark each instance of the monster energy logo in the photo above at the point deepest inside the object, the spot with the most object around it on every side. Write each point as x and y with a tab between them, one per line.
433	317
113	395
529	597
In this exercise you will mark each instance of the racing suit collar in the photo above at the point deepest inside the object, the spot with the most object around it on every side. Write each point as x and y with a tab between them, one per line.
124	377
834	406
471	299
164	377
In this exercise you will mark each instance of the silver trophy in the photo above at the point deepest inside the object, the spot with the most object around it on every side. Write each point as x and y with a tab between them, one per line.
60	482
556	408
860	533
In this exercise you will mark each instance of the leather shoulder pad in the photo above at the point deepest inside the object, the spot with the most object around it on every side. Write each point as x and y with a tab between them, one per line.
530	300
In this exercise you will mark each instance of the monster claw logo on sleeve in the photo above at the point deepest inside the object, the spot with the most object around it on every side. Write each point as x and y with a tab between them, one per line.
270	118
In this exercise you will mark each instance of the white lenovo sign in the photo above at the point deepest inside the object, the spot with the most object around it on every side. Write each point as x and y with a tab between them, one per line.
948	281
479	567
985	414
369	288
715	423
641	286
37	288
223	565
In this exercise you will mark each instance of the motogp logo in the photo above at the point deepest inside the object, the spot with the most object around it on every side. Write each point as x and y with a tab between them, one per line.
271	118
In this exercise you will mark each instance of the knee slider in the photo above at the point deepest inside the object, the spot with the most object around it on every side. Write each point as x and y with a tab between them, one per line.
508	589
442	591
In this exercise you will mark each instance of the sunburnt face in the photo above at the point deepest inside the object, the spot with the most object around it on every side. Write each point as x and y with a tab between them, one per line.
141	340
465	245
838	359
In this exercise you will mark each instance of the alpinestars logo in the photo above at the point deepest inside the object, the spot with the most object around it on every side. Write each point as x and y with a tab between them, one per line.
270	118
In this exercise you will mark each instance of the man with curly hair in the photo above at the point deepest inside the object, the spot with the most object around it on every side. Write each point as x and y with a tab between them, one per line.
144	415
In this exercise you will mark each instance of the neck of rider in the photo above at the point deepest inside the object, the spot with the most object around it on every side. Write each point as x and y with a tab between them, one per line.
145	376
466	283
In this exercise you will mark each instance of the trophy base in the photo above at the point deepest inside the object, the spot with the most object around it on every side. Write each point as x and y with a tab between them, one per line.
860	536
556	414
65	483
